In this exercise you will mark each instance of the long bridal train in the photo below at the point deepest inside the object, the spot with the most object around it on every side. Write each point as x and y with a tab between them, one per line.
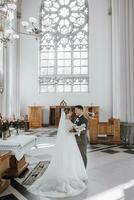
66	175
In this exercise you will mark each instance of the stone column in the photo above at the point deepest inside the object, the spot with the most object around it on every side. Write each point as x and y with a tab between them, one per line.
1	76
123	59
10	99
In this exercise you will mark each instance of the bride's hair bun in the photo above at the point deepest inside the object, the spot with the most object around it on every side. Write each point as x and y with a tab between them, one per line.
67	110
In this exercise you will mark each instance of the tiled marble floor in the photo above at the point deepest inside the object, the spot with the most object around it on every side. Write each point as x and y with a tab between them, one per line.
108	167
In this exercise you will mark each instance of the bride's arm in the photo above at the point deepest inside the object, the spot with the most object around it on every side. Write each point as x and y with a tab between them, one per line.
69	125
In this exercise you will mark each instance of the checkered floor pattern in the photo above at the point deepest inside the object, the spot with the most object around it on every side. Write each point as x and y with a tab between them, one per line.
110	149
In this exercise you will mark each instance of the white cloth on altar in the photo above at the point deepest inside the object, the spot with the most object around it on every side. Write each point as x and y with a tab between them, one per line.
18	144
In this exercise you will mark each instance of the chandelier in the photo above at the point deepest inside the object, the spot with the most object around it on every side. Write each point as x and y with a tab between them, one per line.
7	10
7	32
31	27
8	36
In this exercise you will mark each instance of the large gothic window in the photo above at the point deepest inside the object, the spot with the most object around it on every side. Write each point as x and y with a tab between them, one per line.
64	46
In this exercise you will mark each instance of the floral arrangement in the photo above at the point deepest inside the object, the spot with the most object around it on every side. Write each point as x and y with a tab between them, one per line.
4	128
17	124
6	124
80	128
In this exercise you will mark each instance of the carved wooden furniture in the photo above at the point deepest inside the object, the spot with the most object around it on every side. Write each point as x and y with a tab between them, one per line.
35	116
55	112
16	167
104	131
4	165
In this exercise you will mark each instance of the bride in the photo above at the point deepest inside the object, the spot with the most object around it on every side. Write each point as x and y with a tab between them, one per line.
66	175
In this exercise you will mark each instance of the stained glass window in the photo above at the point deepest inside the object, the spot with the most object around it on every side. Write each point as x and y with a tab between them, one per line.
64	46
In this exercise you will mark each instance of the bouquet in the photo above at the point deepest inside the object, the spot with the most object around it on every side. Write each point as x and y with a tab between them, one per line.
80	128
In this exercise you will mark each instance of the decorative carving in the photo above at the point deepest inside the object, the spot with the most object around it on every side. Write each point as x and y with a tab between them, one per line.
64	46
63	103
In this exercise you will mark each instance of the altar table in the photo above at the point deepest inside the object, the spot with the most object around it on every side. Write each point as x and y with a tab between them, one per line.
18	145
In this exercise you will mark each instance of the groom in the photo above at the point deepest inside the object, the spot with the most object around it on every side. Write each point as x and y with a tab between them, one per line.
82	139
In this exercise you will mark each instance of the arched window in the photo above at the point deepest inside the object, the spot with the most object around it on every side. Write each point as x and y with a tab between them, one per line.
64	46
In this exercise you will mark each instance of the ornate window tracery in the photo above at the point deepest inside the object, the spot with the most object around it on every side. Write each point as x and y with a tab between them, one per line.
64	46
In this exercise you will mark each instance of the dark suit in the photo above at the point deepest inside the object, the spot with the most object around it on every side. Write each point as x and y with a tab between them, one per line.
82	139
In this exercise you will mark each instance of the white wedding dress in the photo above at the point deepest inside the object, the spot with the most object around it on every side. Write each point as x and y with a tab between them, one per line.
66	175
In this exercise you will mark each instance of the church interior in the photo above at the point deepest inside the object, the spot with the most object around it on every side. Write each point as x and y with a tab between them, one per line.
57	54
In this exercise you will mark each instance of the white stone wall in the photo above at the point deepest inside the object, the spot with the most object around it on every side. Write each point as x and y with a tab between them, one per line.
99	59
